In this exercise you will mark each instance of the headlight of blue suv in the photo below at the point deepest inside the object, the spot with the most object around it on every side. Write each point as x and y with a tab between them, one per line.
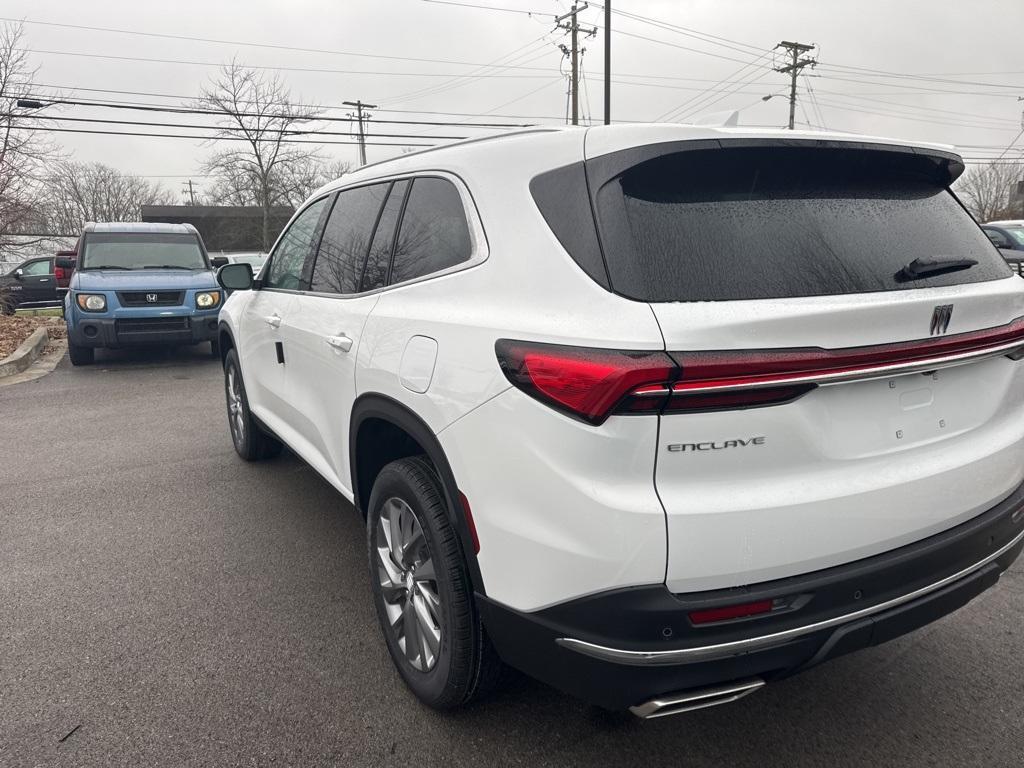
207	299
92	302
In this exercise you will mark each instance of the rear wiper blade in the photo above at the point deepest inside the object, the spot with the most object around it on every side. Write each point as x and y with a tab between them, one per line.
934	265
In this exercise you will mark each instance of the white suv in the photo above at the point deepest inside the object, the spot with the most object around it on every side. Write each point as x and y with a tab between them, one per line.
655	414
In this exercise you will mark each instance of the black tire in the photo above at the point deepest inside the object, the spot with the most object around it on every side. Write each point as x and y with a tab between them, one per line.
7	306
465	667
81	355
251	442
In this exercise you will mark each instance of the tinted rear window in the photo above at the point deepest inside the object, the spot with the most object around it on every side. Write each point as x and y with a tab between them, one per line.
761	223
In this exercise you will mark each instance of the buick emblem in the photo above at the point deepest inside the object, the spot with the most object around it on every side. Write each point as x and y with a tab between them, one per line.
152	297
940	319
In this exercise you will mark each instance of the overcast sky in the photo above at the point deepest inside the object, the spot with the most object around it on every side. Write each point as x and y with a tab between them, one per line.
969	56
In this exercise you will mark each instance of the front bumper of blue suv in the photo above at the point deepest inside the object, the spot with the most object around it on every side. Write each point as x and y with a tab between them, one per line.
172	320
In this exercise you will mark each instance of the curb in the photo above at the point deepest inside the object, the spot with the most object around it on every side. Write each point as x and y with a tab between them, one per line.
26	354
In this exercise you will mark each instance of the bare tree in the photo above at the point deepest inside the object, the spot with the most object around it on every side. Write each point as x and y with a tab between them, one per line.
987	190
259	118
74	193
23	152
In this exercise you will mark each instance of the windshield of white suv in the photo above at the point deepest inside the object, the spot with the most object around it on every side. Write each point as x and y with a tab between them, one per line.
141	250
778	222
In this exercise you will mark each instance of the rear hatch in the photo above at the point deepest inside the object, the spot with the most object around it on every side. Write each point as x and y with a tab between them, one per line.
844	334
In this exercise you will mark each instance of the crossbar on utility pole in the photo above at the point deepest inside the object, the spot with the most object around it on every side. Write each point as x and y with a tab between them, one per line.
360	106
795	50
573	28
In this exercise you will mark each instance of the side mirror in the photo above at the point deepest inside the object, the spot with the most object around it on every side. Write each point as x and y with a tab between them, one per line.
18	273
64	262
219	261
235	277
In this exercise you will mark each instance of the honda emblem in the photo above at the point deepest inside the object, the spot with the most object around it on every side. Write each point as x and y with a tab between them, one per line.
940	319
152	297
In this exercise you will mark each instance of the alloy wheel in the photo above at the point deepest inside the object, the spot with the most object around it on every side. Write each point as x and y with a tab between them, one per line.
408	584
236	412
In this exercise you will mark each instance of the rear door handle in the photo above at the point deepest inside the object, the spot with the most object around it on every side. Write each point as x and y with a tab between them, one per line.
44	280
274	320
341	342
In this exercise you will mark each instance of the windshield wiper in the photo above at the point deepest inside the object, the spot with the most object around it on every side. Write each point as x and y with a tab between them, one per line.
168	266
106	266
936	265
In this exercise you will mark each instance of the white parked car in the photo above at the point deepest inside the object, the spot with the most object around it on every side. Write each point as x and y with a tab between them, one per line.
656	414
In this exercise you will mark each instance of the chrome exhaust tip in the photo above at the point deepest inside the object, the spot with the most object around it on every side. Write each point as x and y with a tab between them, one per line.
700	698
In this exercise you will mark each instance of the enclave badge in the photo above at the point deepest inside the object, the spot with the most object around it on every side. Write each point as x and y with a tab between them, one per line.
716	446
940	319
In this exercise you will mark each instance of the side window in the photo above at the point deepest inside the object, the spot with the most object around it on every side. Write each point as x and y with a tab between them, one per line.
998	239
434	234
295	247
36	268
346	240
379	258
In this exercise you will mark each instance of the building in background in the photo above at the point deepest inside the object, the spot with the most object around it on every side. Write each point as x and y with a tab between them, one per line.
223	227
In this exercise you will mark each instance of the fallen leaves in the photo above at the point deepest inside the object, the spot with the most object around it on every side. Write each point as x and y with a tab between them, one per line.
14	330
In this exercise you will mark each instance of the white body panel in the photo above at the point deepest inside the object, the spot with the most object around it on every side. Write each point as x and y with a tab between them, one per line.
849	470
562	509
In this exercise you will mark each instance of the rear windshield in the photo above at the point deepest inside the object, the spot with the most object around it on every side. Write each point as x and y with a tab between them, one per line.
124	250
762	223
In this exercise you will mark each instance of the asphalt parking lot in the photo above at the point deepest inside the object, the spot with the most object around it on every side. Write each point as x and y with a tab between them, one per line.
165	603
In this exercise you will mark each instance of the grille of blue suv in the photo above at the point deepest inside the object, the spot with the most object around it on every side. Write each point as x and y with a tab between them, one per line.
142	326
151	298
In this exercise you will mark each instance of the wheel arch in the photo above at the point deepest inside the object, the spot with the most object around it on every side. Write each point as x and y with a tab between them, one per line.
383	430
226	340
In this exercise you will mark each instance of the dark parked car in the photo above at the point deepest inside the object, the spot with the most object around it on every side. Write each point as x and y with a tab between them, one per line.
31	283
1005	236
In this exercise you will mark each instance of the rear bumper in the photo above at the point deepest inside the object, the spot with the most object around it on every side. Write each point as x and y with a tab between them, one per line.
112	332
623	648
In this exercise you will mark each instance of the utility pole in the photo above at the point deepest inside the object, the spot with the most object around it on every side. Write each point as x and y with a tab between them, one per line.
191	193
795	51
360	106
573	28
607	62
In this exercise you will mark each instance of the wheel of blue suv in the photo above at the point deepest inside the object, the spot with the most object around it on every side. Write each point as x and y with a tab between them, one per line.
422	592
251	442
81	355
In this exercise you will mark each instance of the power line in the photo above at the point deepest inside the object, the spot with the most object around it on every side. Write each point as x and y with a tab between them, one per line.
217	112
236	129
210	138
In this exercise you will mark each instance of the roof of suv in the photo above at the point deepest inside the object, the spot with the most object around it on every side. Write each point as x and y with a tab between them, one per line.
140	227
600	140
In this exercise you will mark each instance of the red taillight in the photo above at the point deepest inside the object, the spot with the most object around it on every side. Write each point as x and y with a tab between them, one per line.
728	612
594	383
58	273
588	383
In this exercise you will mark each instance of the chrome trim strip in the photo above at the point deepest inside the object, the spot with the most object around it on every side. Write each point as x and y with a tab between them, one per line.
863	374
689	701
736	647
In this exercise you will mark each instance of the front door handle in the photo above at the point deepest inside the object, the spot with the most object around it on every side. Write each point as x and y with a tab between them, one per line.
341	342
274	320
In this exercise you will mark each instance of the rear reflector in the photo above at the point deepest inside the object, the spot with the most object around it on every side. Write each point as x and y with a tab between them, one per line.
469	522
731	612
592	384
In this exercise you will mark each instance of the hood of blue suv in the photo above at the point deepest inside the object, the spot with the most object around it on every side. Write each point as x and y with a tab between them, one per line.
143	279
